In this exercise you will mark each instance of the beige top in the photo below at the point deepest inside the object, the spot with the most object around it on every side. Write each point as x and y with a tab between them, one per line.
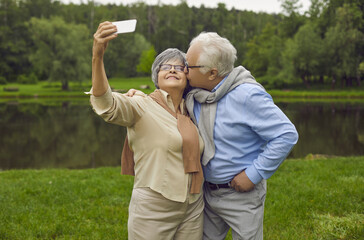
154	139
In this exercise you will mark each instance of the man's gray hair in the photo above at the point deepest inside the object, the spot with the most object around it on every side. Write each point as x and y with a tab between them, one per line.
163	57
216	52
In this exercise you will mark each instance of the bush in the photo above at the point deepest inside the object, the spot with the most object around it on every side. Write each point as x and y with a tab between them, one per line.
3	81
271	82
30	79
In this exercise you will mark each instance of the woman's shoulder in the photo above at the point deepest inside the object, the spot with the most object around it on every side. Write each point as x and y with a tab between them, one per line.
139	100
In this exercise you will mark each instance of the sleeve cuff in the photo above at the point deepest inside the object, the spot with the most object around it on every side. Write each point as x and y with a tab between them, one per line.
253	174
103	103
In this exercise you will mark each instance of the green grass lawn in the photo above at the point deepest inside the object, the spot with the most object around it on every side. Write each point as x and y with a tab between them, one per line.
53	90
307	199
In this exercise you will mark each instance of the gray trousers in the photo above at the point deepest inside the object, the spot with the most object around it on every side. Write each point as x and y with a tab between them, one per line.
226	208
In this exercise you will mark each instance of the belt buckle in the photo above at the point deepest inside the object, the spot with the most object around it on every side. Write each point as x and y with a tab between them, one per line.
212	186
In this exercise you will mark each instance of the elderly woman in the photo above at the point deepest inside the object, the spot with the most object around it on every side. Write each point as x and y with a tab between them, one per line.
166	201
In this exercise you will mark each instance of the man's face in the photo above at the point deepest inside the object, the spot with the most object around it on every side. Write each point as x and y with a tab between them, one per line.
196	78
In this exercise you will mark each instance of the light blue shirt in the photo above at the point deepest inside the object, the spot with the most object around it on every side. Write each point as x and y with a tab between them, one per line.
251	133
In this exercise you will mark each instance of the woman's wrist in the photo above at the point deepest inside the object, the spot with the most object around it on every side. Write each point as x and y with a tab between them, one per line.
97	57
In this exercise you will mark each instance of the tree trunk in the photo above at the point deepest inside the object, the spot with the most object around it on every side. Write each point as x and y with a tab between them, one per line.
304	79
333	82
321	79
6	14
358	78
65	86
342	82
348	81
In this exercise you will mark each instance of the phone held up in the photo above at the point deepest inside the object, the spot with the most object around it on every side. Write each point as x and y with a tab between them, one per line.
125	26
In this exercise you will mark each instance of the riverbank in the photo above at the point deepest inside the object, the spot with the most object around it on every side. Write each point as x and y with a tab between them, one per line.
76	90
307	199
53	90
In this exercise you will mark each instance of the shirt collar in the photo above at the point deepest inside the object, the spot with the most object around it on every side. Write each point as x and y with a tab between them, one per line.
169	102
218	85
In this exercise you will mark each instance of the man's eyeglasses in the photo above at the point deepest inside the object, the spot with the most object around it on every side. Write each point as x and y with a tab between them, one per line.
188	67
167	67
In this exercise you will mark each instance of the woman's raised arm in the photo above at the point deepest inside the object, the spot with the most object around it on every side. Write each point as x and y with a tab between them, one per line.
105	33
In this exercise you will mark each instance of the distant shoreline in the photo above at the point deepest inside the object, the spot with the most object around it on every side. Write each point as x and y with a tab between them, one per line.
44	90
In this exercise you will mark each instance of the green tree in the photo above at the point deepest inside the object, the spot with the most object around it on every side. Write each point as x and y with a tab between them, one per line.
328	17
290	6
292	20
303	52
146	61
258	54
263	57
172	27
344	45
14	41
62	51
123	54
315	10
39	8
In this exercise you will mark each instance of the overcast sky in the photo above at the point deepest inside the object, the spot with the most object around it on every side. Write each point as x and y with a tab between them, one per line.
269	6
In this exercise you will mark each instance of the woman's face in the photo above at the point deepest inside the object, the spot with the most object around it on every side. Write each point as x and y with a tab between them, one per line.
172	77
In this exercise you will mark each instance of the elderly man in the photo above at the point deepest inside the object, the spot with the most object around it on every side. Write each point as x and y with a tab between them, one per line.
246	138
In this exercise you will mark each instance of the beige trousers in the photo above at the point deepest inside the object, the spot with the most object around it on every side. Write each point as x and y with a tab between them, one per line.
152	217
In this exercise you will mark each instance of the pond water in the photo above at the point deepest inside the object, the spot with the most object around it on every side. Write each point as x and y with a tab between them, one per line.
69	134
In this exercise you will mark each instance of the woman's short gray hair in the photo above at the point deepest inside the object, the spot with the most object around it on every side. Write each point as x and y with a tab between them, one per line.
163	57
216	52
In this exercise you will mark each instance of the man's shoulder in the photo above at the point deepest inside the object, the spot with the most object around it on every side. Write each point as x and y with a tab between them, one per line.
244	93
249	86
246	89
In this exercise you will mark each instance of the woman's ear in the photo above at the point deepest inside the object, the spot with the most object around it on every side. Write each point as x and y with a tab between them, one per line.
213	74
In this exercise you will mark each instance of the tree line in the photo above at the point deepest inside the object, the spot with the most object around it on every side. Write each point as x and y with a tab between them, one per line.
48	40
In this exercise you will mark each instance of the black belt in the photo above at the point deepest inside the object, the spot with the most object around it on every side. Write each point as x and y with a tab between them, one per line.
214	186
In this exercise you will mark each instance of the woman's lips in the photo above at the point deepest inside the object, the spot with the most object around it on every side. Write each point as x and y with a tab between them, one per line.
172	77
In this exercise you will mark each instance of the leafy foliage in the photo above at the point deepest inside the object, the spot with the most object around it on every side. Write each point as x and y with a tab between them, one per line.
62	50
27	79
323	45
146	61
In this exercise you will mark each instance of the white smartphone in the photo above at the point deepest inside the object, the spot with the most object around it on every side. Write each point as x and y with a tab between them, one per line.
125	26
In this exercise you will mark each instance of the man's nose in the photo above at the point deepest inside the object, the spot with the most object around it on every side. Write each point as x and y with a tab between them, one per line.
185	70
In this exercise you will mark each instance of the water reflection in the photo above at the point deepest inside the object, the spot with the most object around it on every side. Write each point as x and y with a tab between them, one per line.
327	128
58	136
70	135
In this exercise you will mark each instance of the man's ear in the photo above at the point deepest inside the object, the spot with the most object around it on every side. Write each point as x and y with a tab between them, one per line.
213	74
